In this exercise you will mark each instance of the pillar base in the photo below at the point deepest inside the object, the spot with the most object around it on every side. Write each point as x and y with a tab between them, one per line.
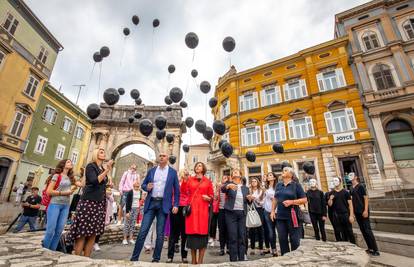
392	179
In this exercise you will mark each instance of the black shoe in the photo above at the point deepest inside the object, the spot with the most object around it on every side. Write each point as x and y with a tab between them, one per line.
222	253
155	261
375	253
169	260
177	248
368	251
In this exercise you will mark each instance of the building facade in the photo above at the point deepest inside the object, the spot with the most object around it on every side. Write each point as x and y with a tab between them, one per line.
198	153
60	130
28	53
123	163
381	43
308	102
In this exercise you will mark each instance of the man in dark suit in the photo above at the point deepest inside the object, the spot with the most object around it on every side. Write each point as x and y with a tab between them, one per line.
162	184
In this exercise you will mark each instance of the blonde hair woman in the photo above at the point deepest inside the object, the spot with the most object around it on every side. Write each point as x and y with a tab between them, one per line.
90	216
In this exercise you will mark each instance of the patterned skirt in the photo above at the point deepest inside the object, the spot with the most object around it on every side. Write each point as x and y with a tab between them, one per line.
89	220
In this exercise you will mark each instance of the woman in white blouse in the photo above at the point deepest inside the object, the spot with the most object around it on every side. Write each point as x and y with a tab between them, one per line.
256	198
267	205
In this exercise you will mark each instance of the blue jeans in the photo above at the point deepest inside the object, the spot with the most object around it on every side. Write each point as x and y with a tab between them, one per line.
26	219
271	230
154	210
284	229
57	214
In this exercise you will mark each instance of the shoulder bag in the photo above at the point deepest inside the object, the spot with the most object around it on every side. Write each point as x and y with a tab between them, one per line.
187	208
253	218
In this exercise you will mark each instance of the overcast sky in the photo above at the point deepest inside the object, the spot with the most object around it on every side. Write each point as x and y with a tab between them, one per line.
264	31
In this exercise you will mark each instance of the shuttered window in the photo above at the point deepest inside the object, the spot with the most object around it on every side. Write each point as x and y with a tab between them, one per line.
300	128
250	136
340	120
274	132
331	80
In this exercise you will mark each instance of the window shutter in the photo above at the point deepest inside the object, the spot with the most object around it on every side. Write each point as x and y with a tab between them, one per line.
340	77
266	133
228	107
255	100
328	121
221	111
241	103
258	135
44	113
279	94
243	137
291	129
351	118
282	131
263	102
54	117
310	125
286	91
302	84
319	77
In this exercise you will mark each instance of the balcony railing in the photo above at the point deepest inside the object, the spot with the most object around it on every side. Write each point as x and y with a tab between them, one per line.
387	93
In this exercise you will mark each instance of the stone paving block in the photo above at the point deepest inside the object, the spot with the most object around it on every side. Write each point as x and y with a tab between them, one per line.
4	263
44	263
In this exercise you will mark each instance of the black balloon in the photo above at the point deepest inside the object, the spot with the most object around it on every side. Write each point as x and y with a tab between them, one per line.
205	87
191	40
186	148
131	119
212	102
189	122
200	126
171	68
135	19
137	115
160	122
172	159
194	73
183	104
170	138
221	142
121	91
229	44
156	23
97	57
208	133
168	100
104	52
176	94
286	164
309	168
251	156
169	108
278	148
138	101
160	134
111	96
145	127
126	31
226	149
135	94
219	127
93	111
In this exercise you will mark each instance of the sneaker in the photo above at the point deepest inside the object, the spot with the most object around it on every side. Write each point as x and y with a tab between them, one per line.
96	247
147	251
375	253
132	242
124	242
245	257
169	261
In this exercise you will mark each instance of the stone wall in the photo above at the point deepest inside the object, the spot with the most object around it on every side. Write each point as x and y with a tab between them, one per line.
24	249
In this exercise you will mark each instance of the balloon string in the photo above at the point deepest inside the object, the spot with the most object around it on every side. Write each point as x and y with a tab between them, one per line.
229	60
205	112
99	81
192	61
168	82
90	75
123	50
152	42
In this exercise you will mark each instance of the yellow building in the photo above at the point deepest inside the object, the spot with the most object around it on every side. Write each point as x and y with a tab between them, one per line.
308	102
28	53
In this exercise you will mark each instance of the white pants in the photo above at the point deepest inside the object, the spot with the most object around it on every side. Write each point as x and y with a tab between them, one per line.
150	239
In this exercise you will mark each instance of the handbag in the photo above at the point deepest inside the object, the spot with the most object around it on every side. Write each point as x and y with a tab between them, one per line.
253	218
187	208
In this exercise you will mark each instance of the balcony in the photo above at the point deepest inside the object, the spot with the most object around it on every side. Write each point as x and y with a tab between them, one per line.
381	95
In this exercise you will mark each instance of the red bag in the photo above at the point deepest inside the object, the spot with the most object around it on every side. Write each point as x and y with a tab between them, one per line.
45	197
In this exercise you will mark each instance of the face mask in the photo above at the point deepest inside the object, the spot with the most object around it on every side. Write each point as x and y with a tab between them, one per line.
336	182
312	182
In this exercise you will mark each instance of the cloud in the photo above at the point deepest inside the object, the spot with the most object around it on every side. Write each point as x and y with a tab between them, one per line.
264	31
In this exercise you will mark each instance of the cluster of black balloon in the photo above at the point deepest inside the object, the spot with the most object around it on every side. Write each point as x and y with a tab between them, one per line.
136	96
135	20
102	53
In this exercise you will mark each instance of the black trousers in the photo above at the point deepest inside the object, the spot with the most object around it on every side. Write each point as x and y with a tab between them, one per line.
331	219
236	229
288	234
222	229
257	234
213	224
318	225
365	227
344	227
177	230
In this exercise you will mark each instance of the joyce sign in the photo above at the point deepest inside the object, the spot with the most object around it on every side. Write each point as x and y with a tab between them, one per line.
344	137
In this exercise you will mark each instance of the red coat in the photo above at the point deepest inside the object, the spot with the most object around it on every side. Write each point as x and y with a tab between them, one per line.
197	222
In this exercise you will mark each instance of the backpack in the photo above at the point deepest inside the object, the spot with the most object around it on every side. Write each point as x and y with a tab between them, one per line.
45	196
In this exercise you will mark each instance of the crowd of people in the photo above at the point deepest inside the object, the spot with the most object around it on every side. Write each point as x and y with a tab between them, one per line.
190	209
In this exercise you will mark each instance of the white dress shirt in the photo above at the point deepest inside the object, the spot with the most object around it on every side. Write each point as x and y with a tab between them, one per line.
160	178
238	203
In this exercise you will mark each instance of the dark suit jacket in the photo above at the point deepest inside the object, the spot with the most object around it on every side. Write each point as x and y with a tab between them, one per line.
172	187
231	197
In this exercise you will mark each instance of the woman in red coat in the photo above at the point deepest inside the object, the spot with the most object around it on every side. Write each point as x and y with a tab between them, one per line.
200	193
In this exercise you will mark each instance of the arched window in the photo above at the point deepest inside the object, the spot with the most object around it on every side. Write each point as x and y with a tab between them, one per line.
408	27
383	76
401	139
370	40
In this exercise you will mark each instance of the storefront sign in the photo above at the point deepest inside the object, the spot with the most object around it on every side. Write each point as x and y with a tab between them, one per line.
344	137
